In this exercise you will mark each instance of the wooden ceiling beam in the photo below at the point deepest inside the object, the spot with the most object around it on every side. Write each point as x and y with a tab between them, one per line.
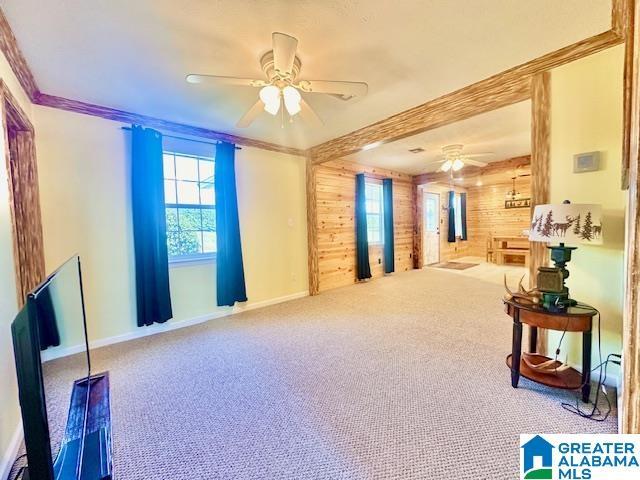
500	90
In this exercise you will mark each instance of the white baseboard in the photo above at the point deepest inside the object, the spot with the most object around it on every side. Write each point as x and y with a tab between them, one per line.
10	454
168	326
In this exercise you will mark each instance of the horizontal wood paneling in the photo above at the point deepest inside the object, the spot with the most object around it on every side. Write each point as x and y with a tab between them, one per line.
335	216
487	217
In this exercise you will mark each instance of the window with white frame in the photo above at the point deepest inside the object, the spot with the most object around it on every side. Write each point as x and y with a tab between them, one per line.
190	206
458	215
375	222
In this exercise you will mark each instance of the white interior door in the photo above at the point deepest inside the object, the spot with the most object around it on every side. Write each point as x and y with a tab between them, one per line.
431	228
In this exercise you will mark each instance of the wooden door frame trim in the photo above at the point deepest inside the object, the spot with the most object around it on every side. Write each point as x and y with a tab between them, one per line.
12	113
631	319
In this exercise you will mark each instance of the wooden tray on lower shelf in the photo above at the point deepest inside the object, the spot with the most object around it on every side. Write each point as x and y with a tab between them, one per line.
569	379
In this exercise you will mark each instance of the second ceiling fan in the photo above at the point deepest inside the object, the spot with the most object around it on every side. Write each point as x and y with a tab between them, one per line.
281	89
453	159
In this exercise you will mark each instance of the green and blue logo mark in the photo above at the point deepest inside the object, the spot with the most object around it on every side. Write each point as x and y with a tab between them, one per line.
580	457
537	459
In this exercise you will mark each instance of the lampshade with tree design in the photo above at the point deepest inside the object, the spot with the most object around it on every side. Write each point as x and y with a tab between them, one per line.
570	223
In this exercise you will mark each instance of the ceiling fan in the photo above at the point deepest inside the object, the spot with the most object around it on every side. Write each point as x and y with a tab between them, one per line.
281	67
453	159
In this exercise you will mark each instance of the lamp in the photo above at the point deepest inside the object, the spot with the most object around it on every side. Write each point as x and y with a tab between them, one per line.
567	222
446	166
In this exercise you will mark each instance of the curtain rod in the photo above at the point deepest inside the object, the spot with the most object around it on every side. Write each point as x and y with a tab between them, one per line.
217	142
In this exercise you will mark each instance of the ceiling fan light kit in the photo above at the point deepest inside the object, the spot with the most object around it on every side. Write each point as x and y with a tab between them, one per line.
270	96
281	67
455	160
457	165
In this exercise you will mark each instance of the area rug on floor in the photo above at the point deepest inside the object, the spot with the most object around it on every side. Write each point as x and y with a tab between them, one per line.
398	378
454	265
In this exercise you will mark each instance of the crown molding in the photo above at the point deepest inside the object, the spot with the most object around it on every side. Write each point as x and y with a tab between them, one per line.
108	113
17	62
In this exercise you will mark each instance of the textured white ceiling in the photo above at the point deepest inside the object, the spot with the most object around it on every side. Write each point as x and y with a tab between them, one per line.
505	133
134	54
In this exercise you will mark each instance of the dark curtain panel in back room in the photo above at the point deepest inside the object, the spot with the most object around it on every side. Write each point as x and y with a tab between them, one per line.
362	242
389	249
230	268
451	231
463	215
149	227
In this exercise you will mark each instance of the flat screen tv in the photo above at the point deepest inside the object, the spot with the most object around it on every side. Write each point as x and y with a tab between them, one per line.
55	382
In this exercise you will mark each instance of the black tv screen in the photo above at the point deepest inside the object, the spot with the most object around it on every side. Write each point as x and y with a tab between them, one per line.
52	353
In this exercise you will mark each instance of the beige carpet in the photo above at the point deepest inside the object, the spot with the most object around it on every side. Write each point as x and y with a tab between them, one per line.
399	378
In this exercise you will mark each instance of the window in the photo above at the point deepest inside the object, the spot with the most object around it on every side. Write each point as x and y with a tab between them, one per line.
373	199
190	206
458	215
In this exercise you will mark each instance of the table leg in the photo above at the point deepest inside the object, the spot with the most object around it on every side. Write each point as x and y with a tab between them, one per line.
586	365
516	349
533	339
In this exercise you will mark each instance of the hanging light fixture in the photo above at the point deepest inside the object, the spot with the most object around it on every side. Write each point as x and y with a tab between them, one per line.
446	166
457	164
513	194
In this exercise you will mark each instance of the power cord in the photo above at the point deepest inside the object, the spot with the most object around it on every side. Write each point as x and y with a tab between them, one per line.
20	473
596	414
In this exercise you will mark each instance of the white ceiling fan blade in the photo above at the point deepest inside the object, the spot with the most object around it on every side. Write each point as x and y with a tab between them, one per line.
221	80
284	51
475	163
248	118
346	90
308	115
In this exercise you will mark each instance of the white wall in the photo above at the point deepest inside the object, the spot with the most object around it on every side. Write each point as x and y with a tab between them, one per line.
586	115
84	188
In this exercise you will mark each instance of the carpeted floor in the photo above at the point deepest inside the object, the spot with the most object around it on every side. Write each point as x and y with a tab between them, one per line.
403	377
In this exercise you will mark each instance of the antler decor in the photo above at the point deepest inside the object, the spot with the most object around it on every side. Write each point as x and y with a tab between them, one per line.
531	297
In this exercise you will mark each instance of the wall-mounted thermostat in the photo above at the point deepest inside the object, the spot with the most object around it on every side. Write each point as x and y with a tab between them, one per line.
586	162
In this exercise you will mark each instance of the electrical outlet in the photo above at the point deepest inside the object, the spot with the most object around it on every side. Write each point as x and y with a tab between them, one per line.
379	261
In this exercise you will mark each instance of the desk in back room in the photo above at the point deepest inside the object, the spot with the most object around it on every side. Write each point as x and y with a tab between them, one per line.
510	245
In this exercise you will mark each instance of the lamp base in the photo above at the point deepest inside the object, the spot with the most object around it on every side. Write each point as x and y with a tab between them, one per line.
551	281
557	302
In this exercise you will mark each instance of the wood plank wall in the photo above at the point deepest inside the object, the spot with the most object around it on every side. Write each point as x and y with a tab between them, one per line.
486	215
335	213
